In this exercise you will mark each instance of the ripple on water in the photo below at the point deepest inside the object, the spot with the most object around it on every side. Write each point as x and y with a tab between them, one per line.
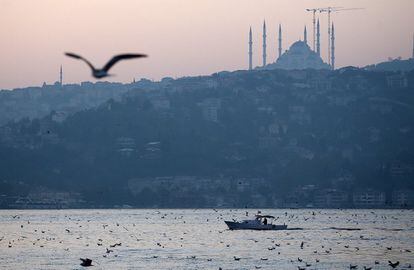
199	239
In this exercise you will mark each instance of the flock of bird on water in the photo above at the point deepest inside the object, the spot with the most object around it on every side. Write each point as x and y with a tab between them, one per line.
303	265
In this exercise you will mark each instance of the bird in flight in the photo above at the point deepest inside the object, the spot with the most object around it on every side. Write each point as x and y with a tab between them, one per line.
103	72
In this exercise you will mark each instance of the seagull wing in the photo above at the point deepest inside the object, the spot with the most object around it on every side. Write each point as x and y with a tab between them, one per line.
117	58
81	58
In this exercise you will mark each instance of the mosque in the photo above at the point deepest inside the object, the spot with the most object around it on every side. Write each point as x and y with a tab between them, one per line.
298	56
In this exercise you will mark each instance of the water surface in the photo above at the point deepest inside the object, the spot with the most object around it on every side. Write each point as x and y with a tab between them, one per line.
199	239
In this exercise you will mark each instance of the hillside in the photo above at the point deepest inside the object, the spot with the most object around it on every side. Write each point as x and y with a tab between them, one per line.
222	140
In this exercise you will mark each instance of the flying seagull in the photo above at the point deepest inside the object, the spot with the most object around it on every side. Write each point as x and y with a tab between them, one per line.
103	72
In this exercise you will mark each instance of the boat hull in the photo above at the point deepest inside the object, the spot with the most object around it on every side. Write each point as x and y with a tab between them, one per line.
249	226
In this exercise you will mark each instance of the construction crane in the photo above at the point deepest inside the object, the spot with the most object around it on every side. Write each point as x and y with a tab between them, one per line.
314	10
328	10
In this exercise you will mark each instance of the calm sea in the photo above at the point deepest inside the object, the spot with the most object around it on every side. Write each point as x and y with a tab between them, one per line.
199	239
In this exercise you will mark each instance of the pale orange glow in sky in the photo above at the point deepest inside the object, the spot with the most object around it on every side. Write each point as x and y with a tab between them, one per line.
184	37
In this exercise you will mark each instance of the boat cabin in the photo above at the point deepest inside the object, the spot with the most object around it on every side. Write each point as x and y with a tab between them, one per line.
264	219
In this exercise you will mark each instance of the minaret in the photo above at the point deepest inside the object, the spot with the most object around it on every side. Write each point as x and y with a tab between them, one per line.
61	77
250	49
333	47
264	43
280	40
412	56
305	36
318	39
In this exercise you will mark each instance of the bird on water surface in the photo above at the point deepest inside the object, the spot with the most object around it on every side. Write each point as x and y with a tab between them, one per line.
393	265
103	72
86	262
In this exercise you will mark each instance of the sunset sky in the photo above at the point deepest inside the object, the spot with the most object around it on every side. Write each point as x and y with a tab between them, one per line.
184	37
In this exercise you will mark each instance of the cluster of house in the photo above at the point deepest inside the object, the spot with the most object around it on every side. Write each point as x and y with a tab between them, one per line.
37	102
219	191
361	198
42	198
226	192
256	192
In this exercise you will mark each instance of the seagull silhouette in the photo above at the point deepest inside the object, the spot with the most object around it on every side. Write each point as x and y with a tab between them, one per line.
393	265
86	262
103	72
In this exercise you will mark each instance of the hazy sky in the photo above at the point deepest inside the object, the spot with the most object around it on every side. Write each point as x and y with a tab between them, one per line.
184	37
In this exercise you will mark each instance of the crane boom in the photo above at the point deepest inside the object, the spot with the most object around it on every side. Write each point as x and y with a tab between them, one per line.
328	10
314	10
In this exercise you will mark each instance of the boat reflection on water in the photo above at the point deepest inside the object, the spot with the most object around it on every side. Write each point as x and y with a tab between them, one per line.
261	222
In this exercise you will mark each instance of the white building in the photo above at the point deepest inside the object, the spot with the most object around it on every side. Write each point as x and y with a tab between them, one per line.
331	198
403	198
210	108
369	199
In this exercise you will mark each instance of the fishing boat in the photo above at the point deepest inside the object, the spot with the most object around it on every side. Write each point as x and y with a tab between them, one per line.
261	222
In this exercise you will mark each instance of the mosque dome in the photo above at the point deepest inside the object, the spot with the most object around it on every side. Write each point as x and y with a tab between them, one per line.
299	56
299	47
